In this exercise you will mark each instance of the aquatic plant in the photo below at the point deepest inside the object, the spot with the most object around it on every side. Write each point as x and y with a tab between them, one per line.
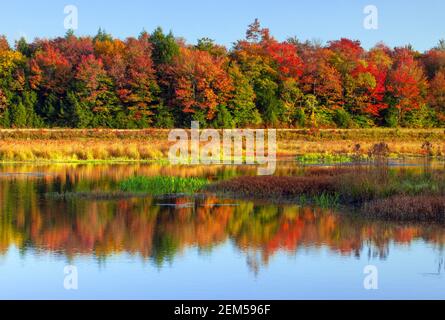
327	158
162	185
327	200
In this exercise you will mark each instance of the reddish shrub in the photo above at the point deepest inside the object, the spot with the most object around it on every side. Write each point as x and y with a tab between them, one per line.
408	208
271	186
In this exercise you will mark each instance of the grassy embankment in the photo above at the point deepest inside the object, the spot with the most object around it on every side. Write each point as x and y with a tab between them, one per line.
331	145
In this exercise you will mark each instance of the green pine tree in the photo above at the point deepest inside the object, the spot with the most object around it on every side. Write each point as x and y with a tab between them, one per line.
18	115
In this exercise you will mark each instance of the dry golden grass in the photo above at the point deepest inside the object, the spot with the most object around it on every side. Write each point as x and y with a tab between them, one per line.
152	144
80	150
401	142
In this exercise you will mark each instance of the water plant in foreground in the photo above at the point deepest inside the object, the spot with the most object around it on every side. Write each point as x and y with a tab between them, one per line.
162	185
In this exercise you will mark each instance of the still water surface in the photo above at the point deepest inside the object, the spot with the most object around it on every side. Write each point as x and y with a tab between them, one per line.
203	248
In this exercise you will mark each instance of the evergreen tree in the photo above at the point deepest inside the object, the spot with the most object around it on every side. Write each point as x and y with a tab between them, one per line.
18	115
78	113
165	47
30	103
164	117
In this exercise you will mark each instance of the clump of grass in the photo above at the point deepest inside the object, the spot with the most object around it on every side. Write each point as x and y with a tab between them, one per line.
427	148
327	158
161	185
326	200
379	151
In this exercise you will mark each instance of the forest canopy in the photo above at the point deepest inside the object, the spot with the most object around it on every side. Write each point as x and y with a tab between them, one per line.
157	80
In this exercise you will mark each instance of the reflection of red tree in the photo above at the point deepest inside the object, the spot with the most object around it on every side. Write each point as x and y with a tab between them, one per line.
405	234
203	225
287	237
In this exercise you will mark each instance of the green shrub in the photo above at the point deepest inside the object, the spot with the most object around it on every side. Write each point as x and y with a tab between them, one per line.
362	121
300	117
342	118
391	117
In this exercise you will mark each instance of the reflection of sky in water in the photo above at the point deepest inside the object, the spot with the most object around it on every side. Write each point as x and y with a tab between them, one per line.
409	272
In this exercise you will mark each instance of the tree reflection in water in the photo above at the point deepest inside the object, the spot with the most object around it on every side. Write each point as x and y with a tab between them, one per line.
158	230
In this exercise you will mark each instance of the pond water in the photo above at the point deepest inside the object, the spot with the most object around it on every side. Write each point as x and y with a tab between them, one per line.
203	248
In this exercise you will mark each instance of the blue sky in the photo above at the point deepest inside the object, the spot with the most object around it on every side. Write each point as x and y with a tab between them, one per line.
420	23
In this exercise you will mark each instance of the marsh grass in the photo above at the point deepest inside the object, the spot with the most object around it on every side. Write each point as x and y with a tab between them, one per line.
327	146
162	185
328	158
377	183
379	191
326	200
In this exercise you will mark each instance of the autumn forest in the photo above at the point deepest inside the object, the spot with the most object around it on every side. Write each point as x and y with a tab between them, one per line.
158	80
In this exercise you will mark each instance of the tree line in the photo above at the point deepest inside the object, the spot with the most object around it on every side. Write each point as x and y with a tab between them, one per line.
158	80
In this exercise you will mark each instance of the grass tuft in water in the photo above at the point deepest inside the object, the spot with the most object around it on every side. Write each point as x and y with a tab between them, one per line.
161	185
328	158
326	200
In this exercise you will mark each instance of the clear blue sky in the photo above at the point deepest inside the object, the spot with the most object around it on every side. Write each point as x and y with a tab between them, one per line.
420	23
